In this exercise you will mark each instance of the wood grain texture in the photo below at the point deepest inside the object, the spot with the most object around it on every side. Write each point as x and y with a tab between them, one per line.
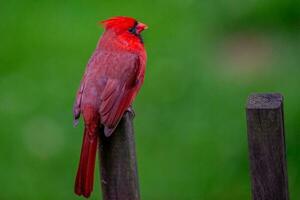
266	139
119	177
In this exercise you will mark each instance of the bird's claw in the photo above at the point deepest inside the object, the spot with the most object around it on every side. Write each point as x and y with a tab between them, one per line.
131	111
75	122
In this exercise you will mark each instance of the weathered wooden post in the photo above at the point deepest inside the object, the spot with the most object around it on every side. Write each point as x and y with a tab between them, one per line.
119	177
267	152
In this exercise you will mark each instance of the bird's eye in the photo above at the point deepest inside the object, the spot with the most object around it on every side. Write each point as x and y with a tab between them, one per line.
132	30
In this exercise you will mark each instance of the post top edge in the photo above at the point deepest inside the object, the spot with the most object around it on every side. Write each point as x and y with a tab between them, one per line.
264	101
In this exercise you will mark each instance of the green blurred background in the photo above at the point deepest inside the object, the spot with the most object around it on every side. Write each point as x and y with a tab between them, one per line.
204	58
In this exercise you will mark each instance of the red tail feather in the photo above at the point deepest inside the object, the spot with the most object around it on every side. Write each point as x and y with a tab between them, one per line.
85	174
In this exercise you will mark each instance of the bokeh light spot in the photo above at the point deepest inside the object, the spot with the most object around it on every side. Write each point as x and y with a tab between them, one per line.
43	137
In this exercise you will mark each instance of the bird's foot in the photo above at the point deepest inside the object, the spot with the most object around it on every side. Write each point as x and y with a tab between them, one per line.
75	122
131	111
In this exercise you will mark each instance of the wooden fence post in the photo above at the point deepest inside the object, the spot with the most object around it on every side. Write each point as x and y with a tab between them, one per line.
266	139
119	177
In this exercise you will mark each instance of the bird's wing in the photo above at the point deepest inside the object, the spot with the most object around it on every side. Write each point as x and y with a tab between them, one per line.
123	74
79	95
77	104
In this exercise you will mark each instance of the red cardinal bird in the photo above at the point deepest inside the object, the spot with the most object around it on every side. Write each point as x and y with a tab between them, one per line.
112	79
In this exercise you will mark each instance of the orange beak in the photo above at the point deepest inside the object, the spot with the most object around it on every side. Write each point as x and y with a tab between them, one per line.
140	27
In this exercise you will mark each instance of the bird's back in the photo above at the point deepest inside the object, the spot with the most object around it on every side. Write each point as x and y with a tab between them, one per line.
113	77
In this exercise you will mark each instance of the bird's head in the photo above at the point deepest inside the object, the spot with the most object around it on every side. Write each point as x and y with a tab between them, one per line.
123	24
